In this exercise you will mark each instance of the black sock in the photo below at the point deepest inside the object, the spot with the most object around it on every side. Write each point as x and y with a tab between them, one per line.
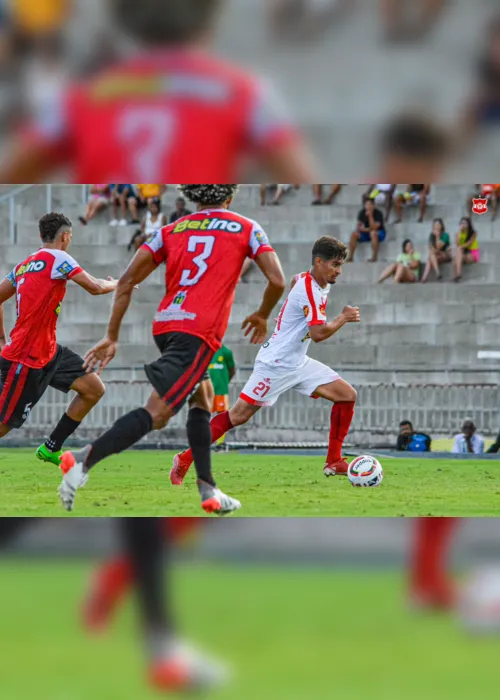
10	527
61	433
123	434
200	440
146	545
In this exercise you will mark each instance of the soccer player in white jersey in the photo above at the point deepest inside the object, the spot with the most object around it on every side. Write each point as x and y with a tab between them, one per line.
282	363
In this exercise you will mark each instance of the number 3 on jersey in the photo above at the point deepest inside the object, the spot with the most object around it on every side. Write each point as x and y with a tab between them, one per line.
208	245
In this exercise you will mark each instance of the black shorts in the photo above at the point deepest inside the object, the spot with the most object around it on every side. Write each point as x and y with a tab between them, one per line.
22	387
182	366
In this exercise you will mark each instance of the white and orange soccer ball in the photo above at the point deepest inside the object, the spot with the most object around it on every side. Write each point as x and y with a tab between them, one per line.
365	471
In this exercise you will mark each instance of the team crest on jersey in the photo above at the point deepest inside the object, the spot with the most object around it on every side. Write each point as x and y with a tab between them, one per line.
306	311
33	266
480	205
65	268
209	225
322	308
179	299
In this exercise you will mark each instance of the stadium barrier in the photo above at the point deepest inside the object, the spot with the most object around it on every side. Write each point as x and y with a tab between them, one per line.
437	409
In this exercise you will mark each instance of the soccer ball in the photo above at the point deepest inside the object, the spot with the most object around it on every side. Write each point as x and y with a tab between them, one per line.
365	471
479	602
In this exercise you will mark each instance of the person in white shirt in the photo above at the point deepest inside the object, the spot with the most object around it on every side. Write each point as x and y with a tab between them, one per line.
468	441
282	362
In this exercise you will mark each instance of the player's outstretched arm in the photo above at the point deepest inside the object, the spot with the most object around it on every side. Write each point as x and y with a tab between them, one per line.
270	265
350	314
141	266
94	286
6	292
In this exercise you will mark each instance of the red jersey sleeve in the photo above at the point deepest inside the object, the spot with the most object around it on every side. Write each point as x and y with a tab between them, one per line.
316	309
270	125
259	241
156	246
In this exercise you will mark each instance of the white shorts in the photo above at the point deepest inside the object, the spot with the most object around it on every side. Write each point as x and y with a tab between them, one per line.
267	383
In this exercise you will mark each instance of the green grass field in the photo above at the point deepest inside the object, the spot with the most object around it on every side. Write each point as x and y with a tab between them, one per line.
137	483
288	635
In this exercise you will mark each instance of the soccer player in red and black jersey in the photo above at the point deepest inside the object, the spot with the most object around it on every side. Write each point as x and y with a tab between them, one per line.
204	253
172	112
31	360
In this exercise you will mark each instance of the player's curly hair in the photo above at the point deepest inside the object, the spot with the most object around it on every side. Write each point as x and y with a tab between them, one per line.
51	225
208	194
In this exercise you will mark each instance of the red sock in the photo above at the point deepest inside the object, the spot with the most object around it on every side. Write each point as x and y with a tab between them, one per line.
430	548
111	583
179	528
219	425
340	422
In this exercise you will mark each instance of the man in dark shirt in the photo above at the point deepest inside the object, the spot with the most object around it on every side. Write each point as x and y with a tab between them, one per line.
370	227
180	210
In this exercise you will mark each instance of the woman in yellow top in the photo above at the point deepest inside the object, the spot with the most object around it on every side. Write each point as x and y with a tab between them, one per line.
139	200
467	247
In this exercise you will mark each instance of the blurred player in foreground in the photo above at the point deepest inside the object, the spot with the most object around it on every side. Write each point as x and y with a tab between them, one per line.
172	665
31	360
282	362
204	253
170	113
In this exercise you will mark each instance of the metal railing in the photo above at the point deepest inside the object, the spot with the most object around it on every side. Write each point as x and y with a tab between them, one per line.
437	409
11	198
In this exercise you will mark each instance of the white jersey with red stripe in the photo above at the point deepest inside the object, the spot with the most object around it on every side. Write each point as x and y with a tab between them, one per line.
304	307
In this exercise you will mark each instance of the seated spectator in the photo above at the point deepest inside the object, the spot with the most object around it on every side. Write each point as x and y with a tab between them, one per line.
318	194
488	192
415	194
495	448
279	191
98	200
407	267
439	249
411	441
180	210
467	247
483	106
139	199
468	441
370	227
119	198
381	194
152	221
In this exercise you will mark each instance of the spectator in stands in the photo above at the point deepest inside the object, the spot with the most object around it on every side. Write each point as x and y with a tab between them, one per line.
495	448
407	20
98	201
119	199
483	107
152	221
381	194
279	191
370	227
407	267
411	441
467	247
318	194
140	197
415	194
488	192
179	211
468	441
439	249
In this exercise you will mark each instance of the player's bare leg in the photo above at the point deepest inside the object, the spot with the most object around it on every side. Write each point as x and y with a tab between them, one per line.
4	429
220	424
90	389
213	500
343	396
127	430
